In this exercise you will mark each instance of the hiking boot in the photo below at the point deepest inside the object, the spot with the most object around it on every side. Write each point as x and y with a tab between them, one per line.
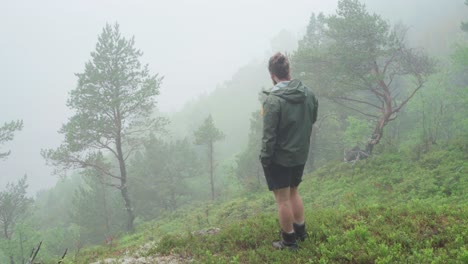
300	231
288	241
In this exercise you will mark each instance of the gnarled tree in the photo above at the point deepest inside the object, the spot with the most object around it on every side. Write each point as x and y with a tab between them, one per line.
363	64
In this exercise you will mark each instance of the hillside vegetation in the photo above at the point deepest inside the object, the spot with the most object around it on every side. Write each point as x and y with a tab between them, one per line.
389	209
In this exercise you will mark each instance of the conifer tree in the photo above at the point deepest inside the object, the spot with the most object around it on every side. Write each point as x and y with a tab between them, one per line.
207	134
113	105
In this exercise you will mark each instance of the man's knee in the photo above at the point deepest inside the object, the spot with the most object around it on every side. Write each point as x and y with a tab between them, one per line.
294	192
282	195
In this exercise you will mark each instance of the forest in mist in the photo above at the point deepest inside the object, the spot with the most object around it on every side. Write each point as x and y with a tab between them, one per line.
392	90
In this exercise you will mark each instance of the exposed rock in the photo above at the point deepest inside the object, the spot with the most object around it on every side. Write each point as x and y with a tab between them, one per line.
209	231
137	257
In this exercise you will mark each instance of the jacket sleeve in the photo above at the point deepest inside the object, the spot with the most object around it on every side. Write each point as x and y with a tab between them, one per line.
271	117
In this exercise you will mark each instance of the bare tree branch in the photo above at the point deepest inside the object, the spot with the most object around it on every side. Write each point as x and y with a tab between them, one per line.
106	146
63	256
34	253
389	61
376	92
85	164
420	84
359	111
359	101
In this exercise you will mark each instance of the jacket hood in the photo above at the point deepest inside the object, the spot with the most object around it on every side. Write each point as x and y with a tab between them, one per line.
295	92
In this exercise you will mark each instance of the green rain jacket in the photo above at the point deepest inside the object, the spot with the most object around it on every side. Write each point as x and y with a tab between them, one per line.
288	115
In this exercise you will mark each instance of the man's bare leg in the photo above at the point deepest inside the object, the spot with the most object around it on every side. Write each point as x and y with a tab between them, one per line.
285	211
298	213
297	206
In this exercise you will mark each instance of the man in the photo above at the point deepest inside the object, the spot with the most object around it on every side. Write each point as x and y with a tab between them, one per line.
289	111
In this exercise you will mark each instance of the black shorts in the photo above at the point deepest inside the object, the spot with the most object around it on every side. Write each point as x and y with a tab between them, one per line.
278	176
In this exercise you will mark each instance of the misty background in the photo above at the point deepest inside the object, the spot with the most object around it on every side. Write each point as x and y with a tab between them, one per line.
196	45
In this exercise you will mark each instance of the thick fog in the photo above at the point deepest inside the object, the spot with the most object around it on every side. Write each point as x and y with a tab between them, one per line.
195	45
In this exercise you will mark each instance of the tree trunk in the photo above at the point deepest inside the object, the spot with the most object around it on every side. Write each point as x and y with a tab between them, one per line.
173	181
128	208
378	132
21	246
312	151
376	135
5	230
106	210
7	237
173	200
387	110
123	185
211	172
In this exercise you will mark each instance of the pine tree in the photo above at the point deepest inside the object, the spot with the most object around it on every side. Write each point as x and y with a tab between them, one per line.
13	206
7	132
207	134
113	104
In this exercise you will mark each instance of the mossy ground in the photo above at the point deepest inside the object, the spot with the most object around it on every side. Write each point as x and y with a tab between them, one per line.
387	209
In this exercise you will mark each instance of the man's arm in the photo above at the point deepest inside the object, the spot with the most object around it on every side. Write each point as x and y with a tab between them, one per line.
271	116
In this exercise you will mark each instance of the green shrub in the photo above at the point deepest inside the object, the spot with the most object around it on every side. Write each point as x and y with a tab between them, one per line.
387	209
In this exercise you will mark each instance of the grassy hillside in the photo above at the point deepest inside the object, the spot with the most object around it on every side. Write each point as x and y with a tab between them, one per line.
384	210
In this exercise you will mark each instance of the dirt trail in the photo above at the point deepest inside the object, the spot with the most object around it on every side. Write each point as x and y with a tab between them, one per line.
140	257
